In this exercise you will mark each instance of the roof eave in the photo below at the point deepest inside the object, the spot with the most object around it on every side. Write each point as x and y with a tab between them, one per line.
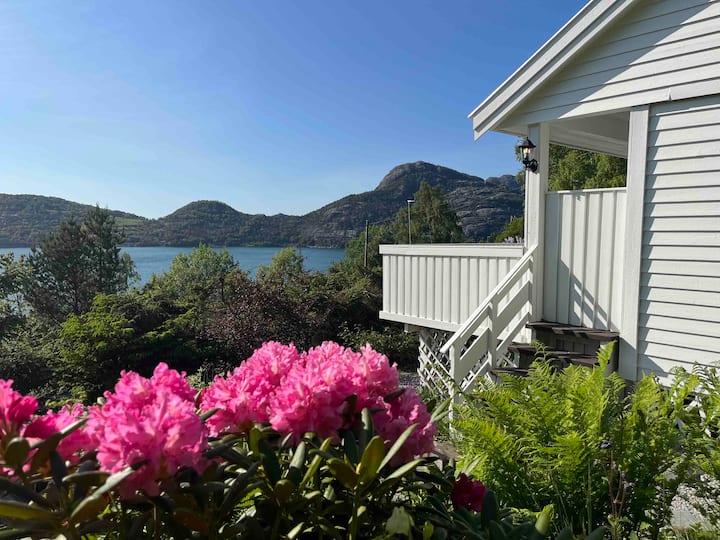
592	19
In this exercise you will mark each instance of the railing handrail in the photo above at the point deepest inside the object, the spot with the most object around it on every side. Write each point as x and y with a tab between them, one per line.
472	322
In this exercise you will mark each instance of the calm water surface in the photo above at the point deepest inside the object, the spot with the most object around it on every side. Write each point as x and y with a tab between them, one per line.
155	260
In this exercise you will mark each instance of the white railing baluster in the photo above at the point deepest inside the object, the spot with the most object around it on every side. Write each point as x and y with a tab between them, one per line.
491	325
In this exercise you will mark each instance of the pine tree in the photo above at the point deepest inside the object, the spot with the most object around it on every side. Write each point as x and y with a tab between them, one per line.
76	262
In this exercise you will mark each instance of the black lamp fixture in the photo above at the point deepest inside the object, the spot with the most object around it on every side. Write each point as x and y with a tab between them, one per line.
527	150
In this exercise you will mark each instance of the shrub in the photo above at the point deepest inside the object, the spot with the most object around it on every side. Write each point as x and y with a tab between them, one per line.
145	464
574	440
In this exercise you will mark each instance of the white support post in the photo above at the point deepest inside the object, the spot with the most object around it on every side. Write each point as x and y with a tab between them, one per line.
535	190
632	252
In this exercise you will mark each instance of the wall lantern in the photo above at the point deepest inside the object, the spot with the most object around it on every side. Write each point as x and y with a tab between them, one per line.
527	150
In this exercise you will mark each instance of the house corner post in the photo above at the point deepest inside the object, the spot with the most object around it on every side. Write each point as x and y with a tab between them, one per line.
632	249
535	189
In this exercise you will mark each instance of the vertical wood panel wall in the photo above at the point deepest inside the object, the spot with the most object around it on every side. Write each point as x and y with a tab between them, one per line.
583	257
439	286
679	315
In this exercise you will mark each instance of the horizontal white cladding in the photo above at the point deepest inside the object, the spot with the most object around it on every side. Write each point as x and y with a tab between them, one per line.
440	285
661	51
679	315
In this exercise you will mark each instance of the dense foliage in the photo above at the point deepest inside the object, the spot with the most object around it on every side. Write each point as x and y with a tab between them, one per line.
577	440
432	221
347	460
75	263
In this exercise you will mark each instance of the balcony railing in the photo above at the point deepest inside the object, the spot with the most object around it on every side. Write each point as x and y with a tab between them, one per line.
440	285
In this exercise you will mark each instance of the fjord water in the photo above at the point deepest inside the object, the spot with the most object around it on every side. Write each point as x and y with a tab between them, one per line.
155	260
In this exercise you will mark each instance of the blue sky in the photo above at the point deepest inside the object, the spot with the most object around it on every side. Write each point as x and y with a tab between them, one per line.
269	106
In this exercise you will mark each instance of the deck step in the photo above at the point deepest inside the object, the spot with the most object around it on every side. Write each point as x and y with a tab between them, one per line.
518	372
565	357
581	332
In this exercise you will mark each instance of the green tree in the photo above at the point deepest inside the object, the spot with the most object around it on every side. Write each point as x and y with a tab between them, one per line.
76	262
513	230
198	279
126	332
571	168
13	275
431	219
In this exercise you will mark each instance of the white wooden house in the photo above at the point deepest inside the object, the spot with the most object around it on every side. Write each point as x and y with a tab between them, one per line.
633	78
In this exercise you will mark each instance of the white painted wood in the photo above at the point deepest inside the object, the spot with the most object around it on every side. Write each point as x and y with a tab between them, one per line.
644	59
688	268
439	286
536	189
583	264
632	232
590	22
679	321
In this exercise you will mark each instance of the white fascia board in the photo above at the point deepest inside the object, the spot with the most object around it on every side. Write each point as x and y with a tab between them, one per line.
592	19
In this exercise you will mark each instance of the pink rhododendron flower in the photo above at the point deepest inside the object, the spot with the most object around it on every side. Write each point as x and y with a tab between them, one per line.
15	409
468	493
377	377
71	447
150	421
312	396
399	414
243	397
309	392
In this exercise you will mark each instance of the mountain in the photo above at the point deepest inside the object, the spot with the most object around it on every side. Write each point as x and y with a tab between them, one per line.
484	207
26	219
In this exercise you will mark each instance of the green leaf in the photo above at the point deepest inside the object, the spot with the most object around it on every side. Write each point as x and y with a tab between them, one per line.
343	472
22	492
43	450
544	520
489	509
368	429
315	464
396	447
350	446
566	534
400	522
441	411
283	490
294	473
207	414
19	510
89	508
57	467
17	452
270	461
114	480
597	534
238	488
406	468
87	478
372	457
427	530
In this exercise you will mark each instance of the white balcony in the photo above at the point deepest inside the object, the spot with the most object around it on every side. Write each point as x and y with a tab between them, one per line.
440	285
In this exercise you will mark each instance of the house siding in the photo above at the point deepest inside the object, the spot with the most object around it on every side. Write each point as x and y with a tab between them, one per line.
679	310
666	50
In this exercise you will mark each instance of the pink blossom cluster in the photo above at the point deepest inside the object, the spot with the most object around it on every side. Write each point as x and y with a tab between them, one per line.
15	410
151	424
309	392
72	446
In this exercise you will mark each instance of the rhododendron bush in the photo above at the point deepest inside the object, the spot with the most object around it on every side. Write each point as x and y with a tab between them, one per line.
290	444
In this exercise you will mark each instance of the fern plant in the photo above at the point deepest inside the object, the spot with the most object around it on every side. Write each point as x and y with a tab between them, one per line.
574	439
